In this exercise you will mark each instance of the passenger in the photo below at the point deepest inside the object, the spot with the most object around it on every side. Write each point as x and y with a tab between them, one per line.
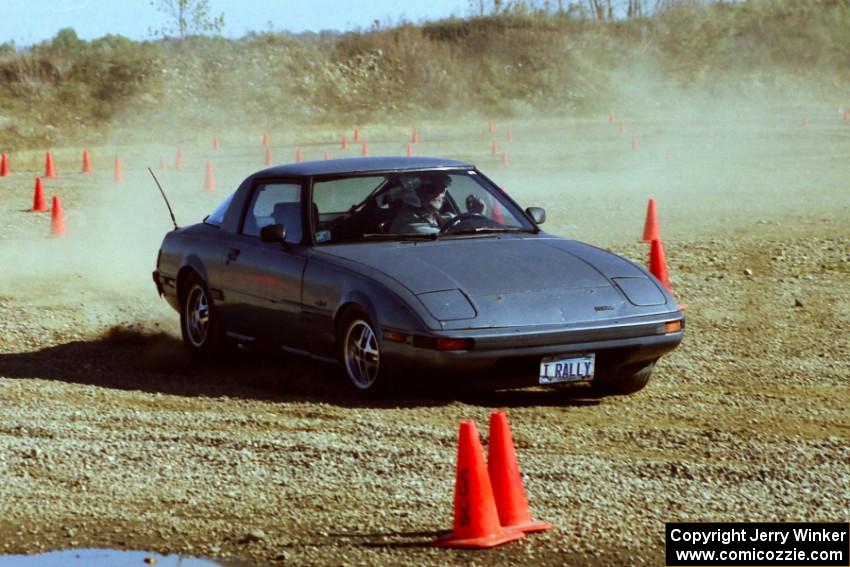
426	216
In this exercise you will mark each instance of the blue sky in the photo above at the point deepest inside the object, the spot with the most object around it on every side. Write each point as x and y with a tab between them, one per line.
27	22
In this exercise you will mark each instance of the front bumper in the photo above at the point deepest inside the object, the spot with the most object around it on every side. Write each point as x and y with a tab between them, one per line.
620	348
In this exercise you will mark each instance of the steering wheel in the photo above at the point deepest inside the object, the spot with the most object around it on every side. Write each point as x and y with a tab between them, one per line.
462	217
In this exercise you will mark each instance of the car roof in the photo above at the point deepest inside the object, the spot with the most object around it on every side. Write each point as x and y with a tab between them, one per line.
359	165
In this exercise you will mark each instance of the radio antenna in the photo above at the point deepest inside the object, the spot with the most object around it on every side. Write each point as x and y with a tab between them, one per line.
167	204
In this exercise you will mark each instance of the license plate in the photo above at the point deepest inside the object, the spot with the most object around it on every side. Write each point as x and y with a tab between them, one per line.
556	369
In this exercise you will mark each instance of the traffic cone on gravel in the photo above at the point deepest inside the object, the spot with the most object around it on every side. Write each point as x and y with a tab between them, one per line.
4	165
491	126
119	171
415	138
650	227
268	158
343	144
209	180
266	140
505	159
86	162
216	143
494	148
357	134
365	151
57	218
39	205
635	144
178	160
658	263
409	150
505	478
476	520
49	168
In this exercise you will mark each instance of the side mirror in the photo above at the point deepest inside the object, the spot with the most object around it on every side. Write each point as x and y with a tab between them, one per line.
537	214
273	233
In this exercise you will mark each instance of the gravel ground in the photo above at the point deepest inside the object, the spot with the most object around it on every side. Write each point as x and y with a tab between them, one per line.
111	437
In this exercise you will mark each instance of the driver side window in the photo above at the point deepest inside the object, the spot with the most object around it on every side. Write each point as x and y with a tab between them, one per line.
275	203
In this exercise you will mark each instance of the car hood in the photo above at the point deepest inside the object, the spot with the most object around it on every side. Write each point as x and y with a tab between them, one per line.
478	266
512	281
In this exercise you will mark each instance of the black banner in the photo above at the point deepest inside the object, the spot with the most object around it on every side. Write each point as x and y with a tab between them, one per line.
758	544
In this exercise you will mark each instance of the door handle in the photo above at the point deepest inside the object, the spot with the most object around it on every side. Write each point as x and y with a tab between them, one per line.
232	255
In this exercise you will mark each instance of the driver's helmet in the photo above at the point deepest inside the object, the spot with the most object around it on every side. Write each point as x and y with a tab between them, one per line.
431	185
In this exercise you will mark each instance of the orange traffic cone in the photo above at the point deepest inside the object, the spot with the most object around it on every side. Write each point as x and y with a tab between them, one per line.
326	155
494	148
268	158
38	203
86	162
119	171
357	134
507	483
365	151
266	140
49	168
4	165
476	520
178	161
415	138
505	159
209	181
650	227
635	144
498	215
216	143
491	126
622	125
845	116
298	157
409	150
658	264
344	142
57	218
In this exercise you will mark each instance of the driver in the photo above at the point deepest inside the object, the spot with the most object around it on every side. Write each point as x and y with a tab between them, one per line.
426	217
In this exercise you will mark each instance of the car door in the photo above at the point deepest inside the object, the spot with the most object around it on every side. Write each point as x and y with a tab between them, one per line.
262	281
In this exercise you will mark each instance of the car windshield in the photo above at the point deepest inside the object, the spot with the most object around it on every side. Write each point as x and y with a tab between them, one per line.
411	205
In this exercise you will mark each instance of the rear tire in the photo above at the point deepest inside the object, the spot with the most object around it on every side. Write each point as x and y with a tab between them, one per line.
200	326
625	385
360	354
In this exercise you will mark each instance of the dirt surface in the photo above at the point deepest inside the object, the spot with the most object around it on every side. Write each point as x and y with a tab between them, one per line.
110	436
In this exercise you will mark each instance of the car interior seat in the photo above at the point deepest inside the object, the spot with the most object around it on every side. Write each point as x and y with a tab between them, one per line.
289	215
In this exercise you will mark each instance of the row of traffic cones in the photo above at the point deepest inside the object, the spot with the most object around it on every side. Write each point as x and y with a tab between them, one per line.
652	235
39	205
490	506
657	259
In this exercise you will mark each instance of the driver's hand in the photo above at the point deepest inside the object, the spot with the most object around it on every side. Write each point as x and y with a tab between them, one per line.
475	205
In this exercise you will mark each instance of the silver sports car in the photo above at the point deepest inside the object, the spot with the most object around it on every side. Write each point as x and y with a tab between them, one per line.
398	269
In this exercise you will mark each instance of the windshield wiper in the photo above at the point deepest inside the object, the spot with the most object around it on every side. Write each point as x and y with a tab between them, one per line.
401	236
486	230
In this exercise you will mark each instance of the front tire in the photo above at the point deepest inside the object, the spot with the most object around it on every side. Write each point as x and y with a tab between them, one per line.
199	322
360	354
626	385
